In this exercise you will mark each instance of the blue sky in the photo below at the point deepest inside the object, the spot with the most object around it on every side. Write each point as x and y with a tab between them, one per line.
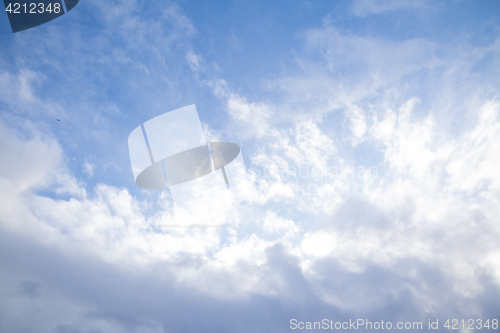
370	131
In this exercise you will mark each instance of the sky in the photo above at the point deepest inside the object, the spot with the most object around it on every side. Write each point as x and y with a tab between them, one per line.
370	132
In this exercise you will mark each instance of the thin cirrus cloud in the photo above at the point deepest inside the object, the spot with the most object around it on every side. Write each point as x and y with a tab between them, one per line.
372	186
365	8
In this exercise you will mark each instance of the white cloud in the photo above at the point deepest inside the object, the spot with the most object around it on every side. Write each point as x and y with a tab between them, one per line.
19	92
407	141
299	241
253	117
193	61
88	168
365	8
475	158
273	223
434	182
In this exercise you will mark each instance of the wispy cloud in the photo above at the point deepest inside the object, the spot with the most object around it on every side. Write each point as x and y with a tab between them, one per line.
365	8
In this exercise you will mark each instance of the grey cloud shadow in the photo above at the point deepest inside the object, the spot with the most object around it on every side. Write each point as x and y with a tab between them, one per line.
30	289
398	295
149	296
64	328
357	212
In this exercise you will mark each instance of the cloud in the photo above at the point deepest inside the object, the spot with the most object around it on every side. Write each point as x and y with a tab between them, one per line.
107	232
193	61
365	8
19	92
368	194
253	116
88	168
430	181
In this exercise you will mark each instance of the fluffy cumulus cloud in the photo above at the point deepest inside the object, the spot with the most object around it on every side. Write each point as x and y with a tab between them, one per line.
372	188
